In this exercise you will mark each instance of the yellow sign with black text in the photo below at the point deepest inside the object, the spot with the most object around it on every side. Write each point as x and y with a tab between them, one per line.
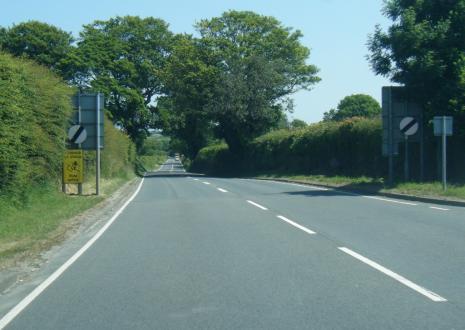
73	166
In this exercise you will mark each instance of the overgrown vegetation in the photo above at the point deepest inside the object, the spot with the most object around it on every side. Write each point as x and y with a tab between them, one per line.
349	147
34	111
153	153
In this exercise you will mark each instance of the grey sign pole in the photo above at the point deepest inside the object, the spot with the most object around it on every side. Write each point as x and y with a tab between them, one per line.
79	122
97	164
406	164
391	145
444	154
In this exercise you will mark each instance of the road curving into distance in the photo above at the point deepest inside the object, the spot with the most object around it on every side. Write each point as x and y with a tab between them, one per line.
209	253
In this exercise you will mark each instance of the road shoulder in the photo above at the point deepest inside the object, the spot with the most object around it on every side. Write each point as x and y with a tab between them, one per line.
423	199
17	278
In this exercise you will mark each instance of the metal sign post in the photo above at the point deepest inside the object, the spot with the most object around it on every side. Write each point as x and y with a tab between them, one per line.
444	154
406	167
88	131
443	128
97	147
79	121
408	126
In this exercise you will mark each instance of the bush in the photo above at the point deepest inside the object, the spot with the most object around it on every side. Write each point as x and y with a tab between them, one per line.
34	110
349	147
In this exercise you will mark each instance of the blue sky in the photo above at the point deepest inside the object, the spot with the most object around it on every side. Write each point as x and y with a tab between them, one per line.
336	31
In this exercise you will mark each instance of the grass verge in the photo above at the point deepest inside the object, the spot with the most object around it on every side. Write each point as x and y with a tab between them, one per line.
40	221
374	185
152	162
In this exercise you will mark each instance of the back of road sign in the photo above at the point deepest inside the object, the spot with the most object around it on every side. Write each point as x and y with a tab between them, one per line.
85	106
438	125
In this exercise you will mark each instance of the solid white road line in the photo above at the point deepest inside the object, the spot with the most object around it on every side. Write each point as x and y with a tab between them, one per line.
222	190
438	208
429	294
389	200
305	229
41	288
205	182
257	205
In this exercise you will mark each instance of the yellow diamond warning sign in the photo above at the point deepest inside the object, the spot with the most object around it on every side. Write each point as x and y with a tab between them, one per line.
73	166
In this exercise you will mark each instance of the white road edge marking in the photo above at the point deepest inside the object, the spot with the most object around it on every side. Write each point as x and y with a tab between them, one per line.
338	191
305	229
257	205
438	208
389	200
205	182
222	190
429	294
5	320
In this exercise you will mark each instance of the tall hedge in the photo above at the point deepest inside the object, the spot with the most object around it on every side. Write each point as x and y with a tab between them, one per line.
34	110
349	147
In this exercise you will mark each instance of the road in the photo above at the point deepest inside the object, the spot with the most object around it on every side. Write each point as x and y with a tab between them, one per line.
211	253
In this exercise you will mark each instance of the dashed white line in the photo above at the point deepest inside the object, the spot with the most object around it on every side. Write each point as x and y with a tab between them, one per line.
205	182
438	208
429	294
295	224
222	190
390	200
257	205
196	179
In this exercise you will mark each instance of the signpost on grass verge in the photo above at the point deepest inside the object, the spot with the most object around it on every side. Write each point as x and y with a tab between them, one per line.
397	104
87	133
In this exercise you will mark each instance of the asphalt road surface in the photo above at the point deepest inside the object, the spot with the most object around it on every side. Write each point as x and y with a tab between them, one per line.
209	253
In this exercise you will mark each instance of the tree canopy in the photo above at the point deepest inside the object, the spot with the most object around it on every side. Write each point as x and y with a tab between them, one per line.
124	57
41	42
298	123
356	105
424	49
260	63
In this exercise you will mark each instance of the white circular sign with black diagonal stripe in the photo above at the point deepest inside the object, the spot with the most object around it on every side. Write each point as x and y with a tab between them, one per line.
408	126
77	134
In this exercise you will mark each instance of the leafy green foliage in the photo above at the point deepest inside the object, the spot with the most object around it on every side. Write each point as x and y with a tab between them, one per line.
357	105
298	123
123	57
34	110
424	49
189	75
119	154
260	63
41	42
349	147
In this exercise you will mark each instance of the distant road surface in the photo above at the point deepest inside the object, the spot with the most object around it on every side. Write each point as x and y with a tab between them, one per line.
210	253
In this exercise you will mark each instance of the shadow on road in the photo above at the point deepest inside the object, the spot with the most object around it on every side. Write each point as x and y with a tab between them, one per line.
318	193
170	174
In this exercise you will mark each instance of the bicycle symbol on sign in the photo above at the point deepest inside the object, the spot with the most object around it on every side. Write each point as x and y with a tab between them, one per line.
74	167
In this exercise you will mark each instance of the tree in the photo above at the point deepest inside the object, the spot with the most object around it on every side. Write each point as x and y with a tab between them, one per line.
189	76
298	123
260	63
124	58
41	42
424	49
356	105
